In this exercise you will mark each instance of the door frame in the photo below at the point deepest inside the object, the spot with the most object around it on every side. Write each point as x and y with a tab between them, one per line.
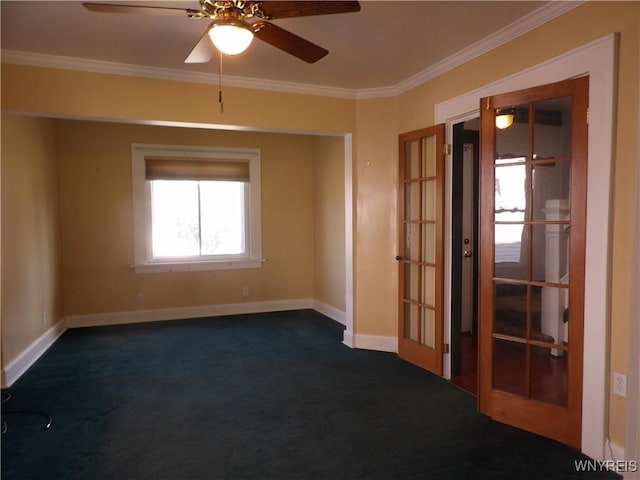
595	59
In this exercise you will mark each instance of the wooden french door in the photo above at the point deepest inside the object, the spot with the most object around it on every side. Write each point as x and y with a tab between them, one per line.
420	259
532	242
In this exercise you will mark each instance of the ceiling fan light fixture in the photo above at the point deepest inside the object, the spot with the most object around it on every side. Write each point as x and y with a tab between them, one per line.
231	37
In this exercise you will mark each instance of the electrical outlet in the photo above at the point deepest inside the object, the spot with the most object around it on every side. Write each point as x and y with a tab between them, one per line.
44	319
245	291
620	384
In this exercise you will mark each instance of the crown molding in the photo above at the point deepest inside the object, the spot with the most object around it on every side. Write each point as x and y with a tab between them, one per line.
527	23
98	66
524	25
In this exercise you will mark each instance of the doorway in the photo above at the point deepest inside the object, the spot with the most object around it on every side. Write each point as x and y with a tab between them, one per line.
531	258
464	258
596	59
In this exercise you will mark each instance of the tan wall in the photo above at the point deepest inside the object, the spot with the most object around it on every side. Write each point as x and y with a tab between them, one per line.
30	232
329	246
375	283
97	220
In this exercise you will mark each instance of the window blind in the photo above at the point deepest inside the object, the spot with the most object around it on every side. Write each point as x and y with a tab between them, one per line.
167	168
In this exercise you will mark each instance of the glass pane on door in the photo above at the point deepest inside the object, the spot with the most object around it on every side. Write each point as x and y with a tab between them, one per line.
429	157
412	241
549	375
429	288
552	326
512	141
510	310
552	129
510	192
412	200
551	190
429	200
412	160
429	243
550	253
510	366
412	280
428	327
411	322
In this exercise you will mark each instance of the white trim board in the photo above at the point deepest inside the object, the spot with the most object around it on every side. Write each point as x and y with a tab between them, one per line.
349	263
331	312
618	461
596	59
545	13
18	366
378	343
181	313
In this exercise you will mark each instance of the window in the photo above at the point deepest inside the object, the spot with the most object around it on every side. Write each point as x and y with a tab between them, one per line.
196	208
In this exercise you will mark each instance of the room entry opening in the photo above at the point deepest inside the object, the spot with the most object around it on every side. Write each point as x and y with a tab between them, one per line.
464	255
530	249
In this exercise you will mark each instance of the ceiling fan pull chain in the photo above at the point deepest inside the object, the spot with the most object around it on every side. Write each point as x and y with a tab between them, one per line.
220	84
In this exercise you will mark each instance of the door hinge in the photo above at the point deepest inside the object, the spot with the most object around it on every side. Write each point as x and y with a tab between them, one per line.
447	149
445	347
588	115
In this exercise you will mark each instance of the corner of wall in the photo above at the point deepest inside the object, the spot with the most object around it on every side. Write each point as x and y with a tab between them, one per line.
18	366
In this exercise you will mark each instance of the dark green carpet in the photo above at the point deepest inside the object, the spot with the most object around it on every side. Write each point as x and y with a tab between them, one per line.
269	396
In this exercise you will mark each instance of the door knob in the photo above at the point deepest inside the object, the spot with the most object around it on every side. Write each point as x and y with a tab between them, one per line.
467	253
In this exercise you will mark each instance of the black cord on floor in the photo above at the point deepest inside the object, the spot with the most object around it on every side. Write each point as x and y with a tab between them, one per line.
6	396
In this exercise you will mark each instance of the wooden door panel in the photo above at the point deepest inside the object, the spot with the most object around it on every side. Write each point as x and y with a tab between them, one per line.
532	243
420	258
523	413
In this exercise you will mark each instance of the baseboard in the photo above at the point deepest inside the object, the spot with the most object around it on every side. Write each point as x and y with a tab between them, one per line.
331	312
141	316
616	457
612	451
380	343
347	338
375	342
17	367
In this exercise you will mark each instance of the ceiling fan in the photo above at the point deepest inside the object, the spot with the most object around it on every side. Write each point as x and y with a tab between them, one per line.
234	23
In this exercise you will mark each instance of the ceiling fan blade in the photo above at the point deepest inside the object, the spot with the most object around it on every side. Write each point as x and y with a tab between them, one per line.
289	9
288	42
203	51
121	8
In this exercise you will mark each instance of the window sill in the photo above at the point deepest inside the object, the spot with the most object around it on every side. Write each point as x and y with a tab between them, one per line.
160	267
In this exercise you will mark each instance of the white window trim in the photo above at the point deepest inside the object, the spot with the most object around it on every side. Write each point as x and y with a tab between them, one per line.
143	261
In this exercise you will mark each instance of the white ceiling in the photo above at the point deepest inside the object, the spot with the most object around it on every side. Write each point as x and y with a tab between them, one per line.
380	46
